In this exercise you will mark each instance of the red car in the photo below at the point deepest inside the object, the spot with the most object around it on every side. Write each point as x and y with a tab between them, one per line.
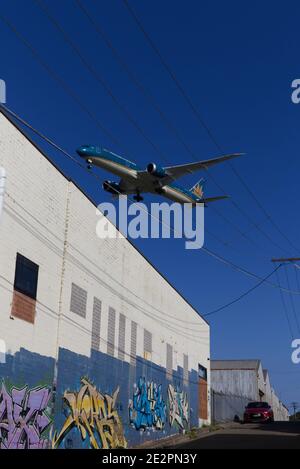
258	412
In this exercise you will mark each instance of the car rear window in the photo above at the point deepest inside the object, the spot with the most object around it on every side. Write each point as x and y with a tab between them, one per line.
257	405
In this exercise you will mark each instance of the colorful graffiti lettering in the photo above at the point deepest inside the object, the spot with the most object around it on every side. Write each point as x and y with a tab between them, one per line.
24	418
178	407
95	416
147	409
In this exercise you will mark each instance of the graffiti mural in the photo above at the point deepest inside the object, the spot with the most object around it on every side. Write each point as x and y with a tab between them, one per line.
24	418
147	409
178	407
94	415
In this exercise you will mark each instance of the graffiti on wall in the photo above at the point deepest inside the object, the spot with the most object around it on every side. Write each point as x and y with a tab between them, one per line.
178	407
24	417
147	409
94	415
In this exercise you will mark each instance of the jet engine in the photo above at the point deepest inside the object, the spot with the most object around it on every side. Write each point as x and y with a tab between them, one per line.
156	170
112	187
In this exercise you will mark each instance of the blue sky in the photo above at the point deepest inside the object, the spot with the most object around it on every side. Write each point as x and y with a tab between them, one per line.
237	62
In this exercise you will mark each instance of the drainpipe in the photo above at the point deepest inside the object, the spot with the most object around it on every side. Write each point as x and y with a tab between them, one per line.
2	189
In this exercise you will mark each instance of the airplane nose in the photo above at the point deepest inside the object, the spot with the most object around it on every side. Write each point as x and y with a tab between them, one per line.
82	151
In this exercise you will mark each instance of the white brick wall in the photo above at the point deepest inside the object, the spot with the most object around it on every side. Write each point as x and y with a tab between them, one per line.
36	216
32	224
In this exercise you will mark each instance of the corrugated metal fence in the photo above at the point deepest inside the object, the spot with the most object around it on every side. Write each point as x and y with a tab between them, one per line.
227	407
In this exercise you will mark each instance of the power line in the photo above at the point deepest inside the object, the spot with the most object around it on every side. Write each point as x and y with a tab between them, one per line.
284	307
59	80
200	118
75	261
232	265
284	261
297	278
99	79
263	280
171	73
69	91
168	123
243	294
206	250
106	342
187	335
291	299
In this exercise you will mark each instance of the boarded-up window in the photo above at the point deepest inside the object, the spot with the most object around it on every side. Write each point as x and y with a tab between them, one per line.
133	343
96	324
122	327
169	361
185	369
111	328
78	300
147	344
203	404
25	289
202	399
23	307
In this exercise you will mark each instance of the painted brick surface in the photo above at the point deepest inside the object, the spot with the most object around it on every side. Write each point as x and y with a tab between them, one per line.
139	409
23	307
50	221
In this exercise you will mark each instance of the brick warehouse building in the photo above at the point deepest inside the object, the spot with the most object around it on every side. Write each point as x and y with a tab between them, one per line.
98	349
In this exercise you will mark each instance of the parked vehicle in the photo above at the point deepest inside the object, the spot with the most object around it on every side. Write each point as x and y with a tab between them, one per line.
258	412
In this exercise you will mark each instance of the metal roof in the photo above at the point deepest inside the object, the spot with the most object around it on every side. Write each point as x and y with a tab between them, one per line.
235	364
265	373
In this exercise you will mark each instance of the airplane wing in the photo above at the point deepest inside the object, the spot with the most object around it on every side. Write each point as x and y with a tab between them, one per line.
175	172
207	200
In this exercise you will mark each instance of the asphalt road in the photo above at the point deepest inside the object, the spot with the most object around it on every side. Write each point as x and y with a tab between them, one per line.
277	435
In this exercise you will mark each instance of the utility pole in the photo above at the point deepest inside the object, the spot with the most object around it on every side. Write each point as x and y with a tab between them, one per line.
295	406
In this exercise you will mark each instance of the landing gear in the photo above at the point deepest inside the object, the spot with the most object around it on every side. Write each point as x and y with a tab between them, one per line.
89	164
138	197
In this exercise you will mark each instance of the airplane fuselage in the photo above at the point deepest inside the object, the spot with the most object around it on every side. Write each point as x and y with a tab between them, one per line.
128	171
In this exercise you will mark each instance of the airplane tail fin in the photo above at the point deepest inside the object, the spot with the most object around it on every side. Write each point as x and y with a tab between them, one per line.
197	188
198	191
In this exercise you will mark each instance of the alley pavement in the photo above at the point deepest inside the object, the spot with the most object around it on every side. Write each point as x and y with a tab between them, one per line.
277	435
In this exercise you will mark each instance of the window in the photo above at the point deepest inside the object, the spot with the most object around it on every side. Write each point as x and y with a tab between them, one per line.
258	405
202	372
26	276
25	289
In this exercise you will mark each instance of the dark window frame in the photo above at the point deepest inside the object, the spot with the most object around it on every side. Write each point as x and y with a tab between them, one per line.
27	285
202	372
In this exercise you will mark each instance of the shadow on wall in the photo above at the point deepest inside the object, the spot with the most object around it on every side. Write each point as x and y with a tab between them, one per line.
96	402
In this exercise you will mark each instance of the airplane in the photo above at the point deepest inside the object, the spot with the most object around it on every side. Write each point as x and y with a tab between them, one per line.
154	179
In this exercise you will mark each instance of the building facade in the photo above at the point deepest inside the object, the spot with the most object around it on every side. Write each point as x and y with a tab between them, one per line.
235	383
97	349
